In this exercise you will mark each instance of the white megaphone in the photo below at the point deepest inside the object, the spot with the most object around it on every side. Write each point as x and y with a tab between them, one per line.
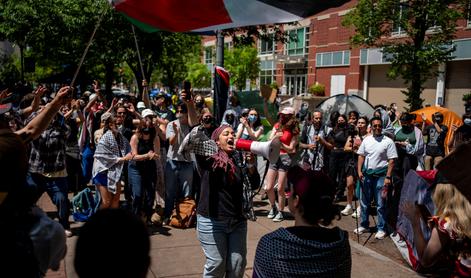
270	150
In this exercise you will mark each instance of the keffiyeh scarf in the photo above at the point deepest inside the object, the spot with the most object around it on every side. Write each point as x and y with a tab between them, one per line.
107	153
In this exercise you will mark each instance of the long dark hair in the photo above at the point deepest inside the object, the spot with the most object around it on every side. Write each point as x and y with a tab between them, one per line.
316	202
258	121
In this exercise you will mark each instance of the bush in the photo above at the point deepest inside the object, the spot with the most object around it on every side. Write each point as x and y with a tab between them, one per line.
467	97
274	85
317	89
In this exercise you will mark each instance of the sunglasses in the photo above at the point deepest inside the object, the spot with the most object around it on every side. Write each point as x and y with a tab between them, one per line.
376	126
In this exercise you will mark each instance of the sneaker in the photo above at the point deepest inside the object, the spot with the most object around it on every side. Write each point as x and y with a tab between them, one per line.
68	233
166	221
356	213
347	210
272	213
278	217
380	234
360	230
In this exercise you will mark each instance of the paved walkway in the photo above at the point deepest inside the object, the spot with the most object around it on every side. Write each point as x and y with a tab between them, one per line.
177	253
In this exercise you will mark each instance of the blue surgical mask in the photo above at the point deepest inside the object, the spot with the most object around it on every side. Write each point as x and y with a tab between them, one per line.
467	121
252	118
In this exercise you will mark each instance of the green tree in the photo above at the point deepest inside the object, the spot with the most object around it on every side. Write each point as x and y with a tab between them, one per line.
242	63
199	75
426	29
178	51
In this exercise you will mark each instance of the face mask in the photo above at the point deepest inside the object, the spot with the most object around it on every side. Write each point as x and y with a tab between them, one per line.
467	121
284	120
207	120
342	124
252	118
199	104
407	128
230	119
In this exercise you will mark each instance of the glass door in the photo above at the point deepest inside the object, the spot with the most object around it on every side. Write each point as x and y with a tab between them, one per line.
295	84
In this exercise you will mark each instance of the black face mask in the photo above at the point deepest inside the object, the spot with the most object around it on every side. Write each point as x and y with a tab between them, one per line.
230	119
199	104
407	128
207	120
341	125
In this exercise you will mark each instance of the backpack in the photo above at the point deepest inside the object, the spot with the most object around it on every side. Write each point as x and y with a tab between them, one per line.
184	214
84	205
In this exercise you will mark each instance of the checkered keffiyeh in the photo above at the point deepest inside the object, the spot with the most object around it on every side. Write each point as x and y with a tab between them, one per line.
106	157
197	142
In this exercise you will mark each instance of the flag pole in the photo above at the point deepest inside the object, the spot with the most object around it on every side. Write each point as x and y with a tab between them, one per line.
72	83
138	52
219	48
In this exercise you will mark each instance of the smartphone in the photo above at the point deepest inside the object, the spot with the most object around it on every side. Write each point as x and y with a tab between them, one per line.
187	89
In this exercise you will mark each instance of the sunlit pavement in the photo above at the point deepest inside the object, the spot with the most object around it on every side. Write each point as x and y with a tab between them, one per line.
177	253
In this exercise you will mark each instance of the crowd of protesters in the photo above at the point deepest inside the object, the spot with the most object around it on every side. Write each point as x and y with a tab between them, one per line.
139	146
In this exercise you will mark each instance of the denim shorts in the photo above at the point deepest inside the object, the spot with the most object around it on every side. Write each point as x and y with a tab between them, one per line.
282	164
101	179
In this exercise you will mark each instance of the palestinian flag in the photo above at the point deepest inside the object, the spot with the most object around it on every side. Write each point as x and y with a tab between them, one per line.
221	90
209	15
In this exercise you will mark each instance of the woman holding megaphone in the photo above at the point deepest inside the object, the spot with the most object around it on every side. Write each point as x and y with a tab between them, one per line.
287	129
221	212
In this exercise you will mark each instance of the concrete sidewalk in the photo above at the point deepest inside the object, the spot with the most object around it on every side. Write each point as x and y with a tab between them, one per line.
177	253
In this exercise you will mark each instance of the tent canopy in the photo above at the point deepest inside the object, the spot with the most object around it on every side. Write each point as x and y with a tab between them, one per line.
344	104
449	118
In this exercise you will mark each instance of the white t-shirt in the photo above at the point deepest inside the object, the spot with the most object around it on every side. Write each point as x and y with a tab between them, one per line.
377	151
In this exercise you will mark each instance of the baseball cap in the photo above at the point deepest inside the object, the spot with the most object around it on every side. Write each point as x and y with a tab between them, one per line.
287	111
147	112
141	105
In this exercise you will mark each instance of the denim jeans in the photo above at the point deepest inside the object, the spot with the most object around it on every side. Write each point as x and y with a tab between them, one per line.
56	188
224	244
142	190
87	163
178	182
371	190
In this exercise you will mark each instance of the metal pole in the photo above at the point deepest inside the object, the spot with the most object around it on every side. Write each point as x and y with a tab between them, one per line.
219	49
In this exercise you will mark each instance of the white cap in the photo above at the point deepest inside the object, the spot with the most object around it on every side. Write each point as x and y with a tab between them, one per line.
141	105
92	96
147	112
287	111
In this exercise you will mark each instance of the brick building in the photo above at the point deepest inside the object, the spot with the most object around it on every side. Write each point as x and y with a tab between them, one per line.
323	54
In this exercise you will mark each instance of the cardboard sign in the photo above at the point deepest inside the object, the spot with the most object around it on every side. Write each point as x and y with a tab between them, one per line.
265	91
457	169
273	96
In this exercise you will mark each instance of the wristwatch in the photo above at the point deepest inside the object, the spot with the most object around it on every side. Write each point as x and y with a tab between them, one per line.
388	177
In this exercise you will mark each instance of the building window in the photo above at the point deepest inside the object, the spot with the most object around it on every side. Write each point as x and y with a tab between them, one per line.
333	59
401	16
228	45
297	42
468	16
208	55
266	45
267	71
